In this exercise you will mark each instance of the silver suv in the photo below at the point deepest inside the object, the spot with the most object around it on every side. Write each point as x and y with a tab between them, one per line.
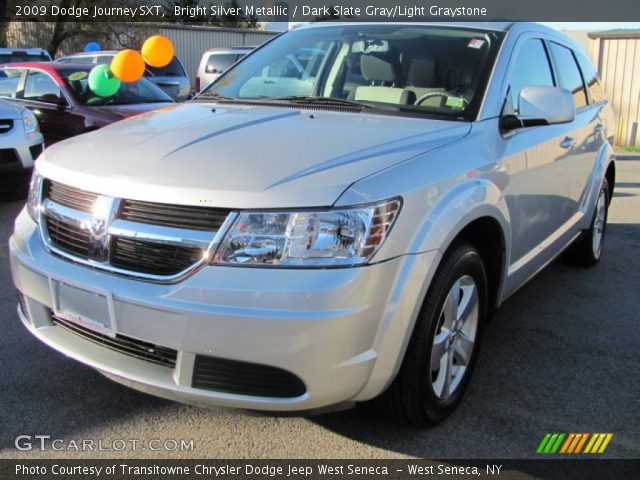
300	251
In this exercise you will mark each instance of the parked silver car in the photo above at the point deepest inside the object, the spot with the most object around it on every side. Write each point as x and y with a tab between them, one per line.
20	144
215	62
172	78
298	252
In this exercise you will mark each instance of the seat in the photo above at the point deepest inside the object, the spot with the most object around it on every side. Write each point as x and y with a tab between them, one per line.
382	73
421	79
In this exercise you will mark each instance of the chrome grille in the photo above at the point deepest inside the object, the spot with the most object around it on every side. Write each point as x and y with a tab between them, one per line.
154	241
154	258
126	345
70	238
69	196
179	216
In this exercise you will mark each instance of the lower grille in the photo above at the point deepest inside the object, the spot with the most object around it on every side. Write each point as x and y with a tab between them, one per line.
9	160
67	237
128	346
242	378
152	258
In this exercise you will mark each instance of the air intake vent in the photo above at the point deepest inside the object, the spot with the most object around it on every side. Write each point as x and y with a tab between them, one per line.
69	196
152	258
5	126
241	378
128	346
178	216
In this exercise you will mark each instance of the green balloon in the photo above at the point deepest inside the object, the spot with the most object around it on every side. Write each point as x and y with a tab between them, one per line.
102	82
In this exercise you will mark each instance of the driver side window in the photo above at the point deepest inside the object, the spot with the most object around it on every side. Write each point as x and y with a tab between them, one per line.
39	84
531	69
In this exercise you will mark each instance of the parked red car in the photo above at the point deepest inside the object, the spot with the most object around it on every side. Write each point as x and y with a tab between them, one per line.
59	95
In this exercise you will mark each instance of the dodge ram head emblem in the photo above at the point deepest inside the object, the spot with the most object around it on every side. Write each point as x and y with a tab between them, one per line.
103	211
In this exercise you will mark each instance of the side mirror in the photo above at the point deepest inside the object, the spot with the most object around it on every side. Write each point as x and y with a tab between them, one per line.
542	105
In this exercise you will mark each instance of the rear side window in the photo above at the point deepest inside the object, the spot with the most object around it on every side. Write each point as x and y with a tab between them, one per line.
174	69
568	73
9	79
39	84
591	79
218	63
532	69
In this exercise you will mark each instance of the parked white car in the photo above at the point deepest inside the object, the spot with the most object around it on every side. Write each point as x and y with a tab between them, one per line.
303	251
20	144
215	62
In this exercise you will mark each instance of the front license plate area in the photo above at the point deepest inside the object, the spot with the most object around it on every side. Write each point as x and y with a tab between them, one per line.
86	308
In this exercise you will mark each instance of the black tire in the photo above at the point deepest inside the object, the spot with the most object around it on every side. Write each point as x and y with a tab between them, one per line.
412	398
582	252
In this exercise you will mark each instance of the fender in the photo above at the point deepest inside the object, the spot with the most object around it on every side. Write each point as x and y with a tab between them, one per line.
605	157
471	200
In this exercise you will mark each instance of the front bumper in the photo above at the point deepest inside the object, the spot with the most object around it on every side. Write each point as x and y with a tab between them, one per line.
18	152
341	331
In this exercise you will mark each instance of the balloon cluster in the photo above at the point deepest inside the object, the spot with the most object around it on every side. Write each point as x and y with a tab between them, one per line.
128	65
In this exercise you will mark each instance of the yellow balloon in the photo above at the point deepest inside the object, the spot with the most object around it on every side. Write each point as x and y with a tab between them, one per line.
157	51
127	66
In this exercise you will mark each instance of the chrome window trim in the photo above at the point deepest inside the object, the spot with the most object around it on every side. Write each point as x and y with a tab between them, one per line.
132	231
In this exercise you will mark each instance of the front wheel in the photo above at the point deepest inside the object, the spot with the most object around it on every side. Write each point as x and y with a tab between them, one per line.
444	345
587	249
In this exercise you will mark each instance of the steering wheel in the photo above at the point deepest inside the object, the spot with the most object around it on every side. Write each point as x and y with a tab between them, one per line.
437	93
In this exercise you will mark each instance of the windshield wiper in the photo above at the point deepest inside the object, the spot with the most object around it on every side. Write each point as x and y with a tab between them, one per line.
212	96
329	102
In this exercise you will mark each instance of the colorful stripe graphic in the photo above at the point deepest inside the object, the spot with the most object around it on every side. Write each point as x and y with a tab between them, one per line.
574	443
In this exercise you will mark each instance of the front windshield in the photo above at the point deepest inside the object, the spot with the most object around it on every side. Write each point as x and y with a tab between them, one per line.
409	68
142	91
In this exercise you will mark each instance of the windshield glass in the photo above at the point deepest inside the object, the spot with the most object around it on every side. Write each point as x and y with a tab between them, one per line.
142	91
411	68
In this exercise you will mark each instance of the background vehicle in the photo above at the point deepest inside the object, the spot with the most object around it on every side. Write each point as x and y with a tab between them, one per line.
215	62
10	55
430	171
20	144
58	94
172	78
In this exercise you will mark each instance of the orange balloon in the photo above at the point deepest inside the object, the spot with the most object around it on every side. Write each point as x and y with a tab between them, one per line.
157	51
127	66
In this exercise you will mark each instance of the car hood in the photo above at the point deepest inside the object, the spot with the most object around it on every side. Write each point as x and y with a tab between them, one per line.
125	111
241	156
9	111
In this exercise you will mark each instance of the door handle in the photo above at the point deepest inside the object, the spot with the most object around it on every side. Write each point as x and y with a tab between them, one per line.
168	84
269	82
567	142
598	128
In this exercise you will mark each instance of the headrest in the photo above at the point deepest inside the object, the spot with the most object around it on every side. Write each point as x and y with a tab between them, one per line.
422	72
377	69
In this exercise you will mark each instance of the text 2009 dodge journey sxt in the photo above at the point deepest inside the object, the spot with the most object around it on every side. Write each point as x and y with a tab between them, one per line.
333	220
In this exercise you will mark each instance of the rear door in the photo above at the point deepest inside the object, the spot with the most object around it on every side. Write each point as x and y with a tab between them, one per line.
589	132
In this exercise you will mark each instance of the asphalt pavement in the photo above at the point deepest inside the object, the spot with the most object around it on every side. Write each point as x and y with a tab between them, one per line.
562	355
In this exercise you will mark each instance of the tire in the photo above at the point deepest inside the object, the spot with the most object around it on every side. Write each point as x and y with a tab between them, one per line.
418	394
586	251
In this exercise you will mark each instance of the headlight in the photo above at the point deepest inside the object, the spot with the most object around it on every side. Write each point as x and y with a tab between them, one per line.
29	121
335	237
33	202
